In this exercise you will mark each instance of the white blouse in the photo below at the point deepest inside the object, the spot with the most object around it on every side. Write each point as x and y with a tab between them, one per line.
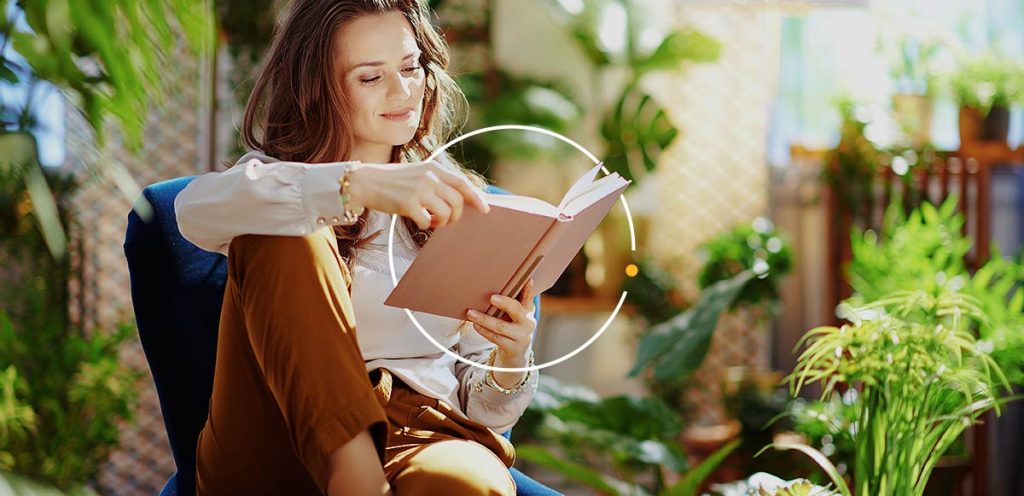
260	195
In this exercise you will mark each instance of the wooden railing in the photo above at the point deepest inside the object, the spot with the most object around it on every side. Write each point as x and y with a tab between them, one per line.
967	173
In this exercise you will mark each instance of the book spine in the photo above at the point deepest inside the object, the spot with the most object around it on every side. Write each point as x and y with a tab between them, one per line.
522	274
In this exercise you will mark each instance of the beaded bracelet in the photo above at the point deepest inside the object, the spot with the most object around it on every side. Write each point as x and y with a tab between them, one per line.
349	217
489	377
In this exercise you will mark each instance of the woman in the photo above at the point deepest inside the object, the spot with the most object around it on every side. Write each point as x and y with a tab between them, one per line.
353	92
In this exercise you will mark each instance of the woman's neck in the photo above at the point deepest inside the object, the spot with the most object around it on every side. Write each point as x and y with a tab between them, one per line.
371	153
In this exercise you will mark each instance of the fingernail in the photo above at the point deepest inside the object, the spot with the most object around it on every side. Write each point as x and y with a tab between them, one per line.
494	298
472	313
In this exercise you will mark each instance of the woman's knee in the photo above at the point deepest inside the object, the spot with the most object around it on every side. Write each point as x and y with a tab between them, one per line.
309	247
288	256
459	467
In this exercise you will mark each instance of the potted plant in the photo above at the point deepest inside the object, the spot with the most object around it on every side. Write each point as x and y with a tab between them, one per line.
921	379
618	445
757	247
986	87
633	126
924	250
912	56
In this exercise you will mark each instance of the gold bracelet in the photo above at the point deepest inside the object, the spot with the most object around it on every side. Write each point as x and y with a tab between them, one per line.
349	217
489	376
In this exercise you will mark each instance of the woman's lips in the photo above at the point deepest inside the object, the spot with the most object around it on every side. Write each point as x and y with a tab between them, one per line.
399	116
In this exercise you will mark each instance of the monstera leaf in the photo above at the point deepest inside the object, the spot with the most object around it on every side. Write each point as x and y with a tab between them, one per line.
636	131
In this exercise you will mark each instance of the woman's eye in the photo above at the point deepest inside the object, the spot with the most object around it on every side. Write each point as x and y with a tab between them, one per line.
372	80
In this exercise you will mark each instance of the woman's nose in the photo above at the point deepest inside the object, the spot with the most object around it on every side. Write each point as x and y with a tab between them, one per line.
400	88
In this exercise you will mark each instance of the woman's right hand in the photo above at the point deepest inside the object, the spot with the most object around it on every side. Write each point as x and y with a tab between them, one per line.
426	192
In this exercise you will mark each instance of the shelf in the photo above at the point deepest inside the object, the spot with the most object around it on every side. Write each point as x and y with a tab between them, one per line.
562	305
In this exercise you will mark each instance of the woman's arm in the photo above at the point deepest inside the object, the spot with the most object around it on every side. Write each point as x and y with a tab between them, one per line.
481	402
259	197
510	339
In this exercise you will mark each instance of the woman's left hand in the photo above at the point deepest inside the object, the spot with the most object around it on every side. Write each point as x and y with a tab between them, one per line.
512	337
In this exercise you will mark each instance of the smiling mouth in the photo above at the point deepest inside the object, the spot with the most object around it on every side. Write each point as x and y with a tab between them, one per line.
405	114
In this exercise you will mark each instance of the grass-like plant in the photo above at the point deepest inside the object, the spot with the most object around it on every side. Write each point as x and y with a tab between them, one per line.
924	250
921	379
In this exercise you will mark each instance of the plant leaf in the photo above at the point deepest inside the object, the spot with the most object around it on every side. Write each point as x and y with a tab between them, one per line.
692	480
819	458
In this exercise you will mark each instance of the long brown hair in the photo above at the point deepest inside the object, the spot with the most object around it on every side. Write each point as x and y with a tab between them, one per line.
298	112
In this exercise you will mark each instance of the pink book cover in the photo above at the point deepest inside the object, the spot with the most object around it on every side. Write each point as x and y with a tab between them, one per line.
463	263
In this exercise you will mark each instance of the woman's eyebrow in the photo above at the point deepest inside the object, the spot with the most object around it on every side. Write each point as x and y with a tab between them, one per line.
407	57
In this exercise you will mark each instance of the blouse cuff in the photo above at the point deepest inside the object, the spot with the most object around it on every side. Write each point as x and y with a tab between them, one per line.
321	199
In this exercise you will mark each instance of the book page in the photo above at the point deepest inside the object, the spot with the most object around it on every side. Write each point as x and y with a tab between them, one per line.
581	185
522	203
599	189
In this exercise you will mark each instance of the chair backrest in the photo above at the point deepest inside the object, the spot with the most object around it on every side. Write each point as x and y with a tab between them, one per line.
177	290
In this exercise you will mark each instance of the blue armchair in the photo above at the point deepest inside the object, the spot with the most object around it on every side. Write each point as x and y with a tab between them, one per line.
177	290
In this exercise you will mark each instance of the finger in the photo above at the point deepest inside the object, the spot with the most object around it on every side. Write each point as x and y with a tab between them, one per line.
498	339
511	306
421	217
527	295
439	209
453	198
495	324
461	184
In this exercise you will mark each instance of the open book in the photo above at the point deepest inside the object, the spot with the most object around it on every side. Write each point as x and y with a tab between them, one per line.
521	237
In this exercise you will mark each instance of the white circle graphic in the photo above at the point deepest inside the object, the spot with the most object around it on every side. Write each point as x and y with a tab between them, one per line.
622	299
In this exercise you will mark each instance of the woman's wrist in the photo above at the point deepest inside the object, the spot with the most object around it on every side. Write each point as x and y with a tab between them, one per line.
356	187
509	382
510	360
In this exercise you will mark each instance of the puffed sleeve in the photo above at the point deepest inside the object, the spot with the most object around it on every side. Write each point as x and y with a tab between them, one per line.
259	197
481	402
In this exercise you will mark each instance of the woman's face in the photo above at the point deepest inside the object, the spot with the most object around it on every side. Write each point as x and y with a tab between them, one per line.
382	77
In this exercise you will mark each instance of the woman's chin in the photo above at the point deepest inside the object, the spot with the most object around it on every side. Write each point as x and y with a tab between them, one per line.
402	139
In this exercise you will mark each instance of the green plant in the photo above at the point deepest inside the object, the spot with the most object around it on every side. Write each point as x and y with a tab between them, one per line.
110	57
852	169
925	250
17	419
653	292
998	287
827	424
635	128
623	435
922	380
987	82
627	434
674	349
655	296
530	102
911	57
756	247
63	392
852	166
764	484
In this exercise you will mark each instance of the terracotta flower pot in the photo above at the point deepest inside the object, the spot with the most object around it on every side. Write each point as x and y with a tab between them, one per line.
992	127
914	114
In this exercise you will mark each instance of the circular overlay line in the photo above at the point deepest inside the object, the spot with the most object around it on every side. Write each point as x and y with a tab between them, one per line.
622	299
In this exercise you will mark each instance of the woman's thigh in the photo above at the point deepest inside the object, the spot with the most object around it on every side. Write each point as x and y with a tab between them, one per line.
459	467
290	385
